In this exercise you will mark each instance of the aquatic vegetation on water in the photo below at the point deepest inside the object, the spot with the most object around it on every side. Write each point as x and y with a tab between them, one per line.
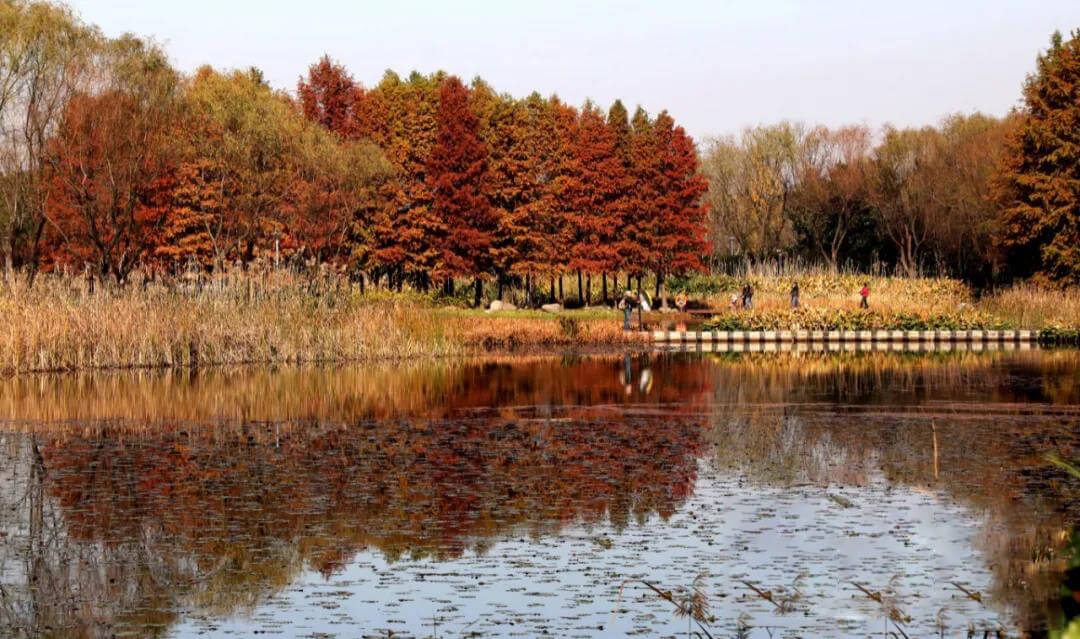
513	496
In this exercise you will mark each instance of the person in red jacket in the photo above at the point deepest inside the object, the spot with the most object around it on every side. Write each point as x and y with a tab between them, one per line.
865	293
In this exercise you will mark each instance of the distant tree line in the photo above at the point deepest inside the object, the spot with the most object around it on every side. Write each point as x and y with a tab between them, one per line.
984	198
488	186
111	160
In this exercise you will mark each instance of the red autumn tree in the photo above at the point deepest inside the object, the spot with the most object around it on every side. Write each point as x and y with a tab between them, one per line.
622	206
104	161
456	172
329	96
332	198
534	222
499	126
566	185
640	228
593	209
401	116
597	206
678	240
192	198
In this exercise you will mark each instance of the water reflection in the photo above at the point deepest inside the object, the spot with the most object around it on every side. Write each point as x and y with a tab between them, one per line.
534	492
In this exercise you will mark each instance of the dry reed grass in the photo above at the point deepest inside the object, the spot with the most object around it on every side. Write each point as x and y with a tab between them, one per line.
1030	306
562	330
58	325
275	317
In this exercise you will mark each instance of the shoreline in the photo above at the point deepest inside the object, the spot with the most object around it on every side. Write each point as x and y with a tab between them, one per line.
284	319
649	342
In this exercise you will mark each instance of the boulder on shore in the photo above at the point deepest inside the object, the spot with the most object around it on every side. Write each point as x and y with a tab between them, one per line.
499	305
551	308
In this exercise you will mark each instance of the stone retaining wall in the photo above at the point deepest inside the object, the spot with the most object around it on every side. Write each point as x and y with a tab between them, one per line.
911	337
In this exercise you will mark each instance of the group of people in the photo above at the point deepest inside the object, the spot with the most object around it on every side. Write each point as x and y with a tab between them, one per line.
745	297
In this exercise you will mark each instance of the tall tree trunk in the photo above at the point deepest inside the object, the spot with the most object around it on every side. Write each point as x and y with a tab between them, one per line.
658	279
9	256
479	292
638	283
9	253
35	253
553	289
528	290
561	298
588	289
580	289
603	286
501	280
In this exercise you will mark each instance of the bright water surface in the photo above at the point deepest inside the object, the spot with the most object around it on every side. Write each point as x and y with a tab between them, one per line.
544	496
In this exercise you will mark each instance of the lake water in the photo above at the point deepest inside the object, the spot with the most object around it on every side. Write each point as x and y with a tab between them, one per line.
780	495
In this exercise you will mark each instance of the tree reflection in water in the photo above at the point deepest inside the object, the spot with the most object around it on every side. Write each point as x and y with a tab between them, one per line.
132	498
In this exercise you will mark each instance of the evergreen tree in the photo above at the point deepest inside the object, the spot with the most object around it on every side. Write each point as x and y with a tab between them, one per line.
1040	177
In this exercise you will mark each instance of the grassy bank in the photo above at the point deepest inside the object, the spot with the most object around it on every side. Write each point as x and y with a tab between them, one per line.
60	324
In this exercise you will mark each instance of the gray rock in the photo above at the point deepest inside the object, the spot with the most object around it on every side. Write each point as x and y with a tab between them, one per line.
551	308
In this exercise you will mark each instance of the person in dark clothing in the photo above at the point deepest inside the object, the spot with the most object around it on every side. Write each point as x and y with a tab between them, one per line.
795	295
748	297
865	293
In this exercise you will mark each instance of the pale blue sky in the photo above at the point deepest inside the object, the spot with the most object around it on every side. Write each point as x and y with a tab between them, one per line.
716	66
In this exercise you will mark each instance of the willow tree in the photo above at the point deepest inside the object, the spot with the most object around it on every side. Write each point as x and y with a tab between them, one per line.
751	179
47	55
905	191
832	183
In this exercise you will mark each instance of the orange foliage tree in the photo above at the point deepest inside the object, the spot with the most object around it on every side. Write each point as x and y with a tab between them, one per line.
593	198
1040	177
679	238
456	175
108	155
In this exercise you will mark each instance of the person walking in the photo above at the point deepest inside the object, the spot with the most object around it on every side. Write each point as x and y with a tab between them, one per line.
865	293
748	296
795	295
